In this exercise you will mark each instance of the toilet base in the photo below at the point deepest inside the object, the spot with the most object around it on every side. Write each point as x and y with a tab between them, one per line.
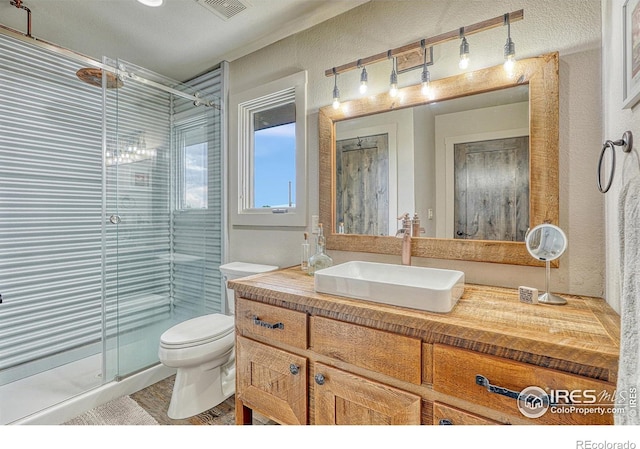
198	388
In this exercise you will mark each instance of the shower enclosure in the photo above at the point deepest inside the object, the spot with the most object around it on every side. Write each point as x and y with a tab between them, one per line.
110	219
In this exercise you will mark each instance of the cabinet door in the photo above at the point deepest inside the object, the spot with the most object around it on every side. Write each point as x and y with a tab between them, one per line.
446	415
271	381
344	398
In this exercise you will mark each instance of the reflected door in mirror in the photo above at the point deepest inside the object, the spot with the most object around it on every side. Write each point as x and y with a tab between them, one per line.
362	183
491	196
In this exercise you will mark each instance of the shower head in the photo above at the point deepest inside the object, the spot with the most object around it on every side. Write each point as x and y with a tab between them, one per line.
94	77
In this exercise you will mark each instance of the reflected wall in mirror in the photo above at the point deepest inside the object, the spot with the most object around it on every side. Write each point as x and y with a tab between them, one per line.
462	165
423	137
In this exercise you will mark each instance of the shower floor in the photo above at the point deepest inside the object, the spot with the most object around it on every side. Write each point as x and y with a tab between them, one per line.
29	395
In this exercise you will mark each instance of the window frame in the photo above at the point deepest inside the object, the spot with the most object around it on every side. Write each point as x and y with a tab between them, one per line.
243	107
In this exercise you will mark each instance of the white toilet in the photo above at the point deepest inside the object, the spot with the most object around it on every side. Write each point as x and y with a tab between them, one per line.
202	350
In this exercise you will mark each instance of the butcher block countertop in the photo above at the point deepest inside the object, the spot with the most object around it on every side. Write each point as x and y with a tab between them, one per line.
581	337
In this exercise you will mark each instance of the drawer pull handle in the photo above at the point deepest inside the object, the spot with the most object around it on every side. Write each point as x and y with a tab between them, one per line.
529	398
319	379
445	422
294	369
259	322
484	382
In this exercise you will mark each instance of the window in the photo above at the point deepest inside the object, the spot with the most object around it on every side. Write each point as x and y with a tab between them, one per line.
268	176
192	166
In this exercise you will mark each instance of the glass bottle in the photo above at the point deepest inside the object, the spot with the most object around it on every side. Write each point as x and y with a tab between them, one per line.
304	262
320	259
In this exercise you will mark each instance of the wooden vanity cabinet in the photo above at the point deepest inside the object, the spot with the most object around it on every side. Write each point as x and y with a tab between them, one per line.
308	358
274	381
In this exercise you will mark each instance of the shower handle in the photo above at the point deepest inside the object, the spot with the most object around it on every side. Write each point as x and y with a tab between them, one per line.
115	219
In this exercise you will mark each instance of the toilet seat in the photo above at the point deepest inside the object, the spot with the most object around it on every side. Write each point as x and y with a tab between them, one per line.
197	331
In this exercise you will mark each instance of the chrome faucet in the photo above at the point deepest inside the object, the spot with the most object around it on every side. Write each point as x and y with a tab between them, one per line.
405	233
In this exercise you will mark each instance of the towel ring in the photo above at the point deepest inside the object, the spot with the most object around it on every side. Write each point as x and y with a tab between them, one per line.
627	145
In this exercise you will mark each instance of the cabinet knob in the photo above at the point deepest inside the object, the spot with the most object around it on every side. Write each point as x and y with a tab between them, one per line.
445	422
294	369
319	379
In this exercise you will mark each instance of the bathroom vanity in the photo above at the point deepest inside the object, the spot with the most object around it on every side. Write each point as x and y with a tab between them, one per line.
304	357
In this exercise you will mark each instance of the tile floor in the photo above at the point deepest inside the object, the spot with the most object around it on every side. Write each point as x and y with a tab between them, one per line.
155	400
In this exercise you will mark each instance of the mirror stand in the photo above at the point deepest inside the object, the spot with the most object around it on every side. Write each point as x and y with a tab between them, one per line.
548	297
547	242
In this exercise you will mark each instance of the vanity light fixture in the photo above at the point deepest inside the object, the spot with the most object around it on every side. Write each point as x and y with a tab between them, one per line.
426	76
464	51
509	48
393	79
336	91
364	79
414	56
152	3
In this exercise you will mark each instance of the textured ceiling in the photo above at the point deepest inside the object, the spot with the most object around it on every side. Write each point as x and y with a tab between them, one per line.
179	39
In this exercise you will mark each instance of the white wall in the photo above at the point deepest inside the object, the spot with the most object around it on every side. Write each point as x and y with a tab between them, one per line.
616	122
572	27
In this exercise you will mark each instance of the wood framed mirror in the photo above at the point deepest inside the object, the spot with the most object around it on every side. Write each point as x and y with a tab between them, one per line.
541	75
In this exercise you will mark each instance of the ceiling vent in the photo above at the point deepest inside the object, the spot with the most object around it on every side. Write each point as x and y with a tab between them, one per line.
225	9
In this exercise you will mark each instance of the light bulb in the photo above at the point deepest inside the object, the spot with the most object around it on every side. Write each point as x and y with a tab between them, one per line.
393	81
426	82
464	54
509	65
464	62
336	91
364	78
509	55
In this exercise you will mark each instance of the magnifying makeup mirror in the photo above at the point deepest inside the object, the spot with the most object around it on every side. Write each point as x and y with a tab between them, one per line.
547	242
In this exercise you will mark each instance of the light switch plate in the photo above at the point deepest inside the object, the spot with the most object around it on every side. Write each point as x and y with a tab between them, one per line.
315	224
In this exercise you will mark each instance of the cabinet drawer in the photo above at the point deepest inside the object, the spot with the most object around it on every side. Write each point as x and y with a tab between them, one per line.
496	383
446	415
383	352
255	319
271	381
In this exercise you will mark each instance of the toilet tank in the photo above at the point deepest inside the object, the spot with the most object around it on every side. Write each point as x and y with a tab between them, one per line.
236	270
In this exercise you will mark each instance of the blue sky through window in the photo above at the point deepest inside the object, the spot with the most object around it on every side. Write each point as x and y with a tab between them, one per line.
275	166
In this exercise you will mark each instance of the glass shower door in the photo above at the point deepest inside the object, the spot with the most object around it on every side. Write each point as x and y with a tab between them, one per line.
155	251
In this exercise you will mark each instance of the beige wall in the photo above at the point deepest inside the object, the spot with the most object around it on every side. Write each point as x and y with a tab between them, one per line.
572	27
616	122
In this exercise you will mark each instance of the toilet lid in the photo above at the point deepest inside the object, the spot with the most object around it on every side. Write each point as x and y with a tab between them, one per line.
198	330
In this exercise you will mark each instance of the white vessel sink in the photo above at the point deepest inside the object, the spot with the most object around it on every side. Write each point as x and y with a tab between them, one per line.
429	289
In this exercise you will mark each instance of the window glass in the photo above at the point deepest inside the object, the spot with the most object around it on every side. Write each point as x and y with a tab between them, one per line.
275	166
194	184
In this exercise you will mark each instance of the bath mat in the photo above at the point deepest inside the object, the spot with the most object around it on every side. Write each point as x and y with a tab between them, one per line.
119	412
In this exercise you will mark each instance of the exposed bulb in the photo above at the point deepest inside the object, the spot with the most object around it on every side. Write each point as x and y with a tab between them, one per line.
464	54
336	103
364	78
464	61
509	55
336	96
426	83
426	89
509	65
393	84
